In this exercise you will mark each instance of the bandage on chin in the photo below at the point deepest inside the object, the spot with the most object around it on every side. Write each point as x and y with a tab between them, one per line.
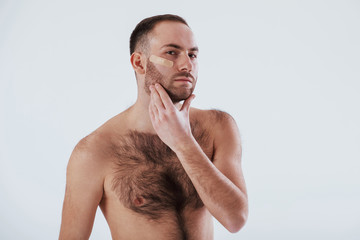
161	61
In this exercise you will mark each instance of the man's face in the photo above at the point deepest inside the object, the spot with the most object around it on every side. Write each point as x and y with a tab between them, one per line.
173	41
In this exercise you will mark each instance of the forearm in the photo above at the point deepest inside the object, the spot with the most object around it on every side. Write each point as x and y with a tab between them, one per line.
225	201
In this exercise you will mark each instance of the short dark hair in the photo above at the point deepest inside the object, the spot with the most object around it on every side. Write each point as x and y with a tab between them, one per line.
139	35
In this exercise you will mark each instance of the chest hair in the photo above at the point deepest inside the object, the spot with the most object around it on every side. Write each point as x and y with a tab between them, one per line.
149	178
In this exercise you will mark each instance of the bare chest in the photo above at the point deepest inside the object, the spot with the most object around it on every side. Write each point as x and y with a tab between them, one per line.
149	179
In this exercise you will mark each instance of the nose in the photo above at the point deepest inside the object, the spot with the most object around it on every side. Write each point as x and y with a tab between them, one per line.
185	63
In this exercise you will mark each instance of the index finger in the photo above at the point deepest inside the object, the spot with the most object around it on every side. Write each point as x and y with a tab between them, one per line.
164	96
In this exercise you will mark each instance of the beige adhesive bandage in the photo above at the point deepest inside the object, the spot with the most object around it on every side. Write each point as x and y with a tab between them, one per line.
161	61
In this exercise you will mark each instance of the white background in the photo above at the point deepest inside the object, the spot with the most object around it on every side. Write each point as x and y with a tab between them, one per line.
287	71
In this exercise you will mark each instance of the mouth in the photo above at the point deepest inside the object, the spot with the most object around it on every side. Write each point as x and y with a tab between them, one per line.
183	79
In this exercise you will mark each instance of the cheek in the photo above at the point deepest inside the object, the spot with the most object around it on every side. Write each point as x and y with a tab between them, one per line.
164	70
159	73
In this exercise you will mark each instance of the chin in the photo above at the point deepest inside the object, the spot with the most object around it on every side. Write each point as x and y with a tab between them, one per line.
177	95
178	98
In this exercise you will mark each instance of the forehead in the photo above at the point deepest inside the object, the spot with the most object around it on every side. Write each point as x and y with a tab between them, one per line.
169	32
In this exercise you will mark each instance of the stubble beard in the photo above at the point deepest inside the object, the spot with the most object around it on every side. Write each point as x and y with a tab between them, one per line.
176	94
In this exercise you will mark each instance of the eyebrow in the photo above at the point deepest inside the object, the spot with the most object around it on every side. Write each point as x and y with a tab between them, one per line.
193	49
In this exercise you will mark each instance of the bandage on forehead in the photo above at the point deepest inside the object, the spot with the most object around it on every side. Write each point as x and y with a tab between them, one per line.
161	61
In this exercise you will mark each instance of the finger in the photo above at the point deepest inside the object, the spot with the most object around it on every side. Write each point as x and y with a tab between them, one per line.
153	117
151	113
187	102
153	109
156	98
168	104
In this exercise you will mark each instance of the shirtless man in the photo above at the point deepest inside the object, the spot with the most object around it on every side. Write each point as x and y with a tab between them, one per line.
161	169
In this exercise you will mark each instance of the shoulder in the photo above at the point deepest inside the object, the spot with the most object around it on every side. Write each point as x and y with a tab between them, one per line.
96	148
213	117
98	142
90	152
90	145
220	123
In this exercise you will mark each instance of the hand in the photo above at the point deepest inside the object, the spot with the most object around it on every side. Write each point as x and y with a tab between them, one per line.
171	125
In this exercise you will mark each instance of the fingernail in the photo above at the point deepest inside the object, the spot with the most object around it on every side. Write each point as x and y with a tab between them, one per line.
157	85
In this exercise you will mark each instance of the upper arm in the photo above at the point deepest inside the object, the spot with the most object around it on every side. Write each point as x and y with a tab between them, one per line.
228	150
84	190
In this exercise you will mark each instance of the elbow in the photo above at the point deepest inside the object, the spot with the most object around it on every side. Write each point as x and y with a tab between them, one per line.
237	223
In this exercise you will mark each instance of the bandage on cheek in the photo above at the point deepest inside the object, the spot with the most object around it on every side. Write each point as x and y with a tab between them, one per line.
161	61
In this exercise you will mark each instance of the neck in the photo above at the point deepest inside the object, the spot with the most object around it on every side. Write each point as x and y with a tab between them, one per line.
139	114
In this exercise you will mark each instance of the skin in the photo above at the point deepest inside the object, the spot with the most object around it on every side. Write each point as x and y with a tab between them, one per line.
213	165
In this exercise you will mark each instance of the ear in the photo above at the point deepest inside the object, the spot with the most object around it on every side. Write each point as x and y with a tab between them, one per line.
138	62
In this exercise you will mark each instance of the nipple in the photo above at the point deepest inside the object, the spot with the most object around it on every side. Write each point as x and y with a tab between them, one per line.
138	201
161	61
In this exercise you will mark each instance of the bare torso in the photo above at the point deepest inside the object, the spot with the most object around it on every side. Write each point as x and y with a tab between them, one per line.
147	193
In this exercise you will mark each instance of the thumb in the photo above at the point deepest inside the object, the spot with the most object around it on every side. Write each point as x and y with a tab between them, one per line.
186	104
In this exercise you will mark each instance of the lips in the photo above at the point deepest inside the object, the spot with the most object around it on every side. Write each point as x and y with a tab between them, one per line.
183	80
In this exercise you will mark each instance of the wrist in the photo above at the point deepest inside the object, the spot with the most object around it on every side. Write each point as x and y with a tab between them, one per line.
186	146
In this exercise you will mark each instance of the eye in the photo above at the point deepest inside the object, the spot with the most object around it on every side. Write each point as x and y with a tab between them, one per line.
192	55
171	52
